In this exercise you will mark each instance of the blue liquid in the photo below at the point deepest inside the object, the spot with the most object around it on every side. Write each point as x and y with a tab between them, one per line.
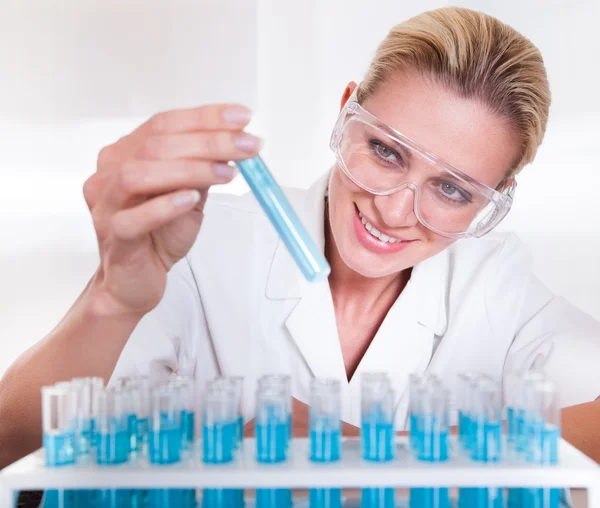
272	442
377	498
167	498
414	435
434	446
142	432
481	498
222	498
540	498
464	430
239	432
520	432
325	445
84	442
217	442
113	448
302	248
515	498
191	427
113	498
486	441
60	449
325	498
59	499
164	446
274	498
429	498
542	443
377	441
132	428
511	425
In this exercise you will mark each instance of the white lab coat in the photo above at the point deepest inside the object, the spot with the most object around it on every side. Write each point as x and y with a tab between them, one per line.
238	305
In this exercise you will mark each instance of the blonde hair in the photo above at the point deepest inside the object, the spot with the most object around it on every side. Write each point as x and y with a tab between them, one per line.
478	57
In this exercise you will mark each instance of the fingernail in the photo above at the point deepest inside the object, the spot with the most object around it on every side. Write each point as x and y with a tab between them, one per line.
237	115
248	143
223	170
186	199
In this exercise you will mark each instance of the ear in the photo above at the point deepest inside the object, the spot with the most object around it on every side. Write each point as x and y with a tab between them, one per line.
347	93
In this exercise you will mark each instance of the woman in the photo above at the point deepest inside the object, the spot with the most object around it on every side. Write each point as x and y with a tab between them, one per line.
453	106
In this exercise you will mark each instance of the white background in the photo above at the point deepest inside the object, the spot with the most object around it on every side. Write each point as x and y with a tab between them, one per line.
77	74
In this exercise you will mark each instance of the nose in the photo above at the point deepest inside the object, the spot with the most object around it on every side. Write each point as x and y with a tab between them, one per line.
398	210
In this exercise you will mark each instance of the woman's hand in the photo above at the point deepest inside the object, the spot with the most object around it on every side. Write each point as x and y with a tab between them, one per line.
147	196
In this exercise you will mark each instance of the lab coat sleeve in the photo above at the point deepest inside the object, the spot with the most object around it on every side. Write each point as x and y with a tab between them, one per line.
170	337
560	339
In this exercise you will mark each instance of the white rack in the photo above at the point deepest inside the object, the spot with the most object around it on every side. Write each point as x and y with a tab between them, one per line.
574	470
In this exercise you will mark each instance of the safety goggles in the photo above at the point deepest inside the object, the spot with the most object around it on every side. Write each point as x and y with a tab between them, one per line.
383	161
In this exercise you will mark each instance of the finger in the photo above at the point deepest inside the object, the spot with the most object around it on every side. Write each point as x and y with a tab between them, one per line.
211	117
157	177
131	223
217	145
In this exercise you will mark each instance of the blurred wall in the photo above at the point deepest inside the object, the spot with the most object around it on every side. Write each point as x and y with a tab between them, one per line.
77	75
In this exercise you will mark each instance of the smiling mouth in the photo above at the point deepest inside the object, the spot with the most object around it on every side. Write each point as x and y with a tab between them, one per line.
382	237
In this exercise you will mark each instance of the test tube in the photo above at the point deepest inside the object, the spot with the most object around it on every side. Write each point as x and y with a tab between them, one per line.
218	425
139	391
184	387
302	248
164	431
415	383
325	436
542	421
431	409
527	379
281	382
377	418
59	423
465	400
112	427
272	417
236	384
433	423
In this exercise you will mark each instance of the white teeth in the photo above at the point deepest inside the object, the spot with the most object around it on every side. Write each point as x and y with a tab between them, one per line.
375	232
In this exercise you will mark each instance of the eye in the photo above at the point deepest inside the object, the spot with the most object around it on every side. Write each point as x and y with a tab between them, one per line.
455	193
385	153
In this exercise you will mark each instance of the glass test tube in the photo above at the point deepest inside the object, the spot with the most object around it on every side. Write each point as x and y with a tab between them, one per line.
432	423
377	418
282	382
164	426
465	400
415	382
184	387
486	440
272	424
218	425
59	417
112	427
325	435
139	391
300	245
236	384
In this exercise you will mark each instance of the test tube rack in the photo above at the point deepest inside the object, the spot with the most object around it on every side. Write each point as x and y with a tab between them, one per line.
574	470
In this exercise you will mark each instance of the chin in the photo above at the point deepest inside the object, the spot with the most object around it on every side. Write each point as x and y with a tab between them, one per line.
372	267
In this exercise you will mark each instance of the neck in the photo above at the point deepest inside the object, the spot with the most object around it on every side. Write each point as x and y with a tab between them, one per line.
356	294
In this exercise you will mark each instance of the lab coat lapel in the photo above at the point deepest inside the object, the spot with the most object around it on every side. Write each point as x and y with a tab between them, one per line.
311	323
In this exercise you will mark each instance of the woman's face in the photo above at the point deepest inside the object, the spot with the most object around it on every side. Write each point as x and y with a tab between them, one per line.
458	130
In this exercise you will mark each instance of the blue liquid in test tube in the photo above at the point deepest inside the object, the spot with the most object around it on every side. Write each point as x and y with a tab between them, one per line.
303	249
377	432
432	425
113	427
325	436
272	438
542	424
164	433
218	425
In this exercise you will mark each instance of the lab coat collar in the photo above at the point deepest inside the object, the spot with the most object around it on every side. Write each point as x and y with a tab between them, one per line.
430	278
